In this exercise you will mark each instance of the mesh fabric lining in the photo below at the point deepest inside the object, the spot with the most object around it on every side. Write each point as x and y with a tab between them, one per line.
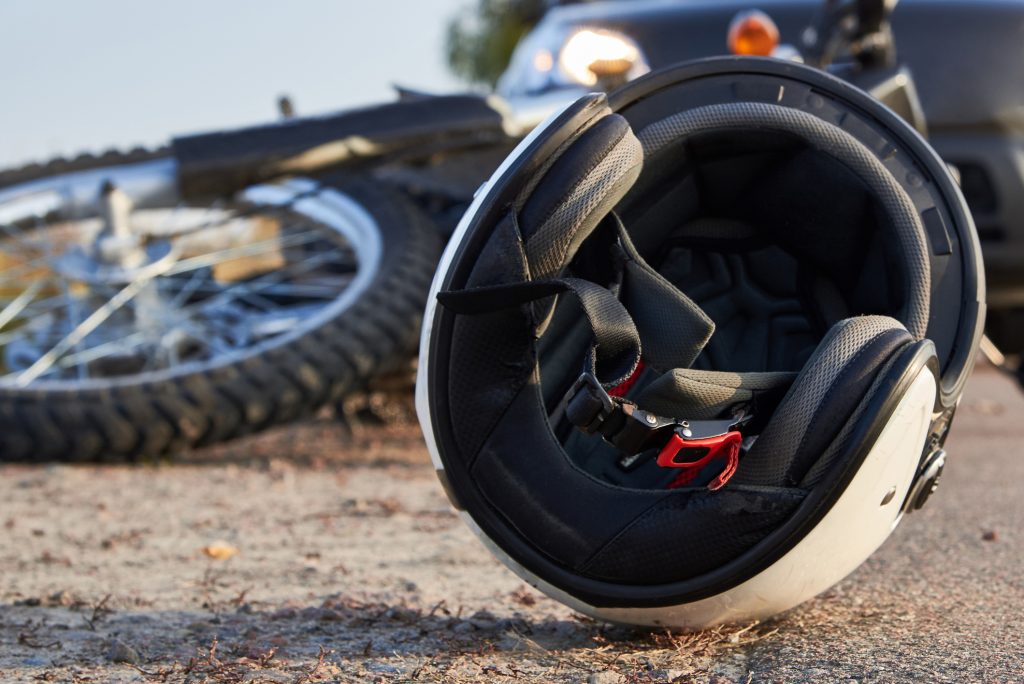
549	244
755	299
491	364
906	223
673	327
704	395
711	228
693	532
771	459
831	455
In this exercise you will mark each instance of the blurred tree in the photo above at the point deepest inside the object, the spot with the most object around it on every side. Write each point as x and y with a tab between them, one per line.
480	41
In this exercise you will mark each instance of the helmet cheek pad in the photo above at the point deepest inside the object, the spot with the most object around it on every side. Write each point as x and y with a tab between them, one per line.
580	187
542	280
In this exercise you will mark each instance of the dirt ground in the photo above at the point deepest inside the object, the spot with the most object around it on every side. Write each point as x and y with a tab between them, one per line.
314	553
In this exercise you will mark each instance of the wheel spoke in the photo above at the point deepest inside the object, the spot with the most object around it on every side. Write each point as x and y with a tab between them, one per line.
254	249
130	342
258	284
256	300
321	289
11	311
8	337
79	333
100	351
193	284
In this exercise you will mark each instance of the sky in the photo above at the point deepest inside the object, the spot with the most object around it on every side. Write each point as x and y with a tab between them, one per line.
86	76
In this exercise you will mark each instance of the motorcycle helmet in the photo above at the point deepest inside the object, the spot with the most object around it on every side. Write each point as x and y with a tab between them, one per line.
695	347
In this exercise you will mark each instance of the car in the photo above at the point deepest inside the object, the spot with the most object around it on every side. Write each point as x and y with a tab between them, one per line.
966	58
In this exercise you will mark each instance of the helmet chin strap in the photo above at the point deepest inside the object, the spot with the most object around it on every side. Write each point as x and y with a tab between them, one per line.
673	327
706	451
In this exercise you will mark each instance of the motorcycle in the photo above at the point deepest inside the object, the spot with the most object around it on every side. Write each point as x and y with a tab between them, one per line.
153	301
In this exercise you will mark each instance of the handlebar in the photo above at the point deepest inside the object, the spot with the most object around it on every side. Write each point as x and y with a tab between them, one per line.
860	26
873	15
223	162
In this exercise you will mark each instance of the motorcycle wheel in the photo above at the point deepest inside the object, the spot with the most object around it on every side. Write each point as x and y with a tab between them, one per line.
136	325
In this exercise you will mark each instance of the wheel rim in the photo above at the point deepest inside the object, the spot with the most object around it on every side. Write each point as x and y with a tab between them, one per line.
106	279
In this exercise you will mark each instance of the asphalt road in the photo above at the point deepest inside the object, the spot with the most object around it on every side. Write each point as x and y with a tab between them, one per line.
310	554
943	599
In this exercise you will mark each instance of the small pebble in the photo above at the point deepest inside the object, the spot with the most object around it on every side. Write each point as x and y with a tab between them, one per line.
990	535
483	619
463	627
606	677
120	652
61	598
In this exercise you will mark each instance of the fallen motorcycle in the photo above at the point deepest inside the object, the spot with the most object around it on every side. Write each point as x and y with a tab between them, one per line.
158	300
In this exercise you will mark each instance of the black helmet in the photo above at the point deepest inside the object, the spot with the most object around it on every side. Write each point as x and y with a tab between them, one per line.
694	349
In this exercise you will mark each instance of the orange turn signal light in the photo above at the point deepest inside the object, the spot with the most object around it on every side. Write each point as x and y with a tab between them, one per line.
753	33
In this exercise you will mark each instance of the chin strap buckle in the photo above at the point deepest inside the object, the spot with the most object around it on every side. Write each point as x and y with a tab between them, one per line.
694	447
593	409
696	455
588	405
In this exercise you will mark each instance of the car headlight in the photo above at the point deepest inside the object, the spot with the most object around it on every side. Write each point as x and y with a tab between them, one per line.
591	56
554	57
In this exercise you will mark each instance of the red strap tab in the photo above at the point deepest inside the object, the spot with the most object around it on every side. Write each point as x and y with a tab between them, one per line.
723	447
623	387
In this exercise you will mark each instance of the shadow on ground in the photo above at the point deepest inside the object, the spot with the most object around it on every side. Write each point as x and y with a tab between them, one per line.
347	639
